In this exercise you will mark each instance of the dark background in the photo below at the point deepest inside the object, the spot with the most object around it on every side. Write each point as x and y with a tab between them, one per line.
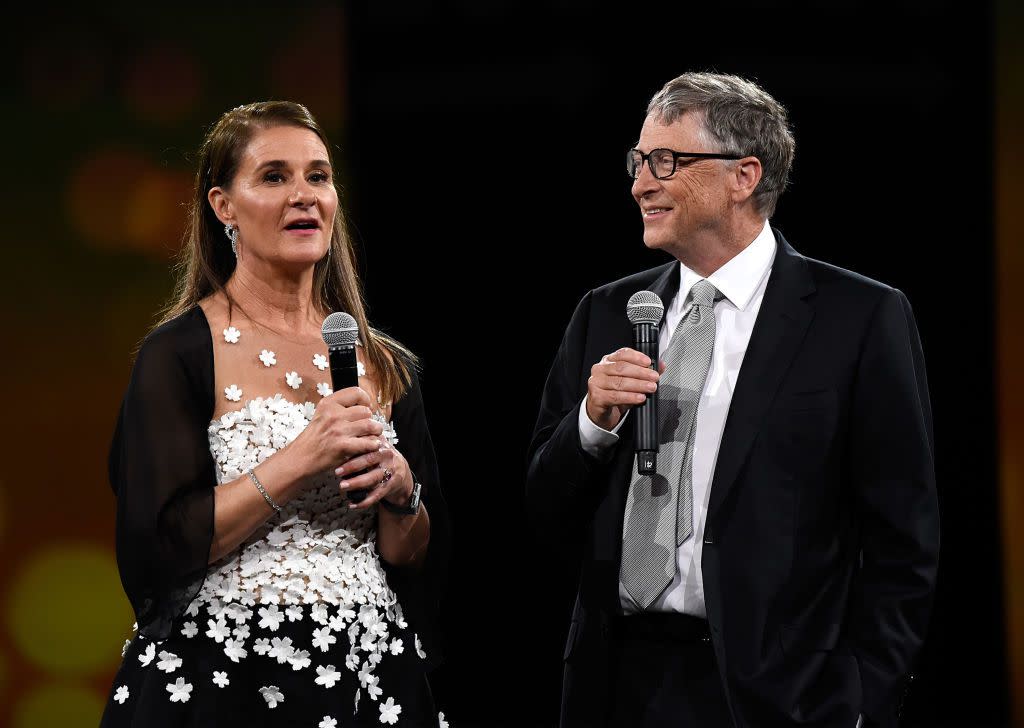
487	144
480	150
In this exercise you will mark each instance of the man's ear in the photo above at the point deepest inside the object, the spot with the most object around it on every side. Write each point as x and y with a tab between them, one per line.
746	174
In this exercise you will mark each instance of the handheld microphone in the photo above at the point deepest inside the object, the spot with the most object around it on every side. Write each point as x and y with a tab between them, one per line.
340	333
645	311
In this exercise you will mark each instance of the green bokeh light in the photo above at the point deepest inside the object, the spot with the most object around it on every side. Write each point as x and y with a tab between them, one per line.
66	706
67	612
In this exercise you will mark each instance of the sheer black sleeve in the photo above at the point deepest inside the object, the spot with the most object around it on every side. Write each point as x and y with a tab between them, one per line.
420	589
163	474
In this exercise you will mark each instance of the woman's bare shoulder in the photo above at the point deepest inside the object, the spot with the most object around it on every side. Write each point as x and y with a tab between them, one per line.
216	308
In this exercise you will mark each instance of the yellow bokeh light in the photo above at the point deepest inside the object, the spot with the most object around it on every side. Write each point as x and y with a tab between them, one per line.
3	676
66	706
66	611
119	199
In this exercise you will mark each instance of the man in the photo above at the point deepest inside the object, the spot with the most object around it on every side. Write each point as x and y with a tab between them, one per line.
778	568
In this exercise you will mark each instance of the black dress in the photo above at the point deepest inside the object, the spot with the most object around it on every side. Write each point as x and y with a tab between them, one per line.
303	624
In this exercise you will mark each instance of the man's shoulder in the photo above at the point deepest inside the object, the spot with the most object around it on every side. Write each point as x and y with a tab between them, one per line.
835	281
831	279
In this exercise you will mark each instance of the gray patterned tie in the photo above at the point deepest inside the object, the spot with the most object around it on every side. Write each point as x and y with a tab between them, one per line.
659	509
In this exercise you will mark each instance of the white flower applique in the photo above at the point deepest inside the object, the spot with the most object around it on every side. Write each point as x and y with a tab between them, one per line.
323	638
218	630
268	358
327	676
320	361
262	646
147	657
273	695
372	688
441	722
293	379
396	646
234	650
282	649
189	629
271	618
233	393
419	649
299	660
319	613
169	662
121	694
360	369
328	722
324	389
220	679
124	650
180	690
231	335
389	711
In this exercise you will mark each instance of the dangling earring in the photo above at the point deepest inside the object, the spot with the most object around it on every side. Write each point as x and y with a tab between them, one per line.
232	232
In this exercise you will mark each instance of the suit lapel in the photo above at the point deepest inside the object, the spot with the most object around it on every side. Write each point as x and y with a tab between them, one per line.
780	328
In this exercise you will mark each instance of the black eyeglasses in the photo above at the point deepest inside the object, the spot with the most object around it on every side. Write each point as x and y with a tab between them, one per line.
662	162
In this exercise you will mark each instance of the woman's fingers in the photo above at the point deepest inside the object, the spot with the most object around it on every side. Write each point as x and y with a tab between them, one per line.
349	397
386	475
364	462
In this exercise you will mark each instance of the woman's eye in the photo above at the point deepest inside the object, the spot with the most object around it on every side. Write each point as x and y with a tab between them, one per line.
273	177
319	177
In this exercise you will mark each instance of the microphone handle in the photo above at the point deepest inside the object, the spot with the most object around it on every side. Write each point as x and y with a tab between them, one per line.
345	374
645	431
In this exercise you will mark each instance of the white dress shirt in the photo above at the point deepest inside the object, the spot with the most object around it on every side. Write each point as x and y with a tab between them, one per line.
742	282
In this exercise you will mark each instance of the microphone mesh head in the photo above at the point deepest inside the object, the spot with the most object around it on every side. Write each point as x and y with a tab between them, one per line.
645	307
339	329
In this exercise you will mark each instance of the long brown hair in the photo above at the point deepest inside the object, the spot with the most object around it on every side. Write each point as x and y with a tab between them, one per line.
206	262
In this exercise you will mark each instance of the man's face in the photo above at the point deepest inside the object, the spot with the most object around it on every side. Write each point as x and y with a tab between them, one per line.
692	200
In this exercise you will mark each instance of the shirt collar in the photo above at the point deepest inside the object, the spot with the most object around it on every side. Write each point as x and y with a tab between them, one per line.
739	279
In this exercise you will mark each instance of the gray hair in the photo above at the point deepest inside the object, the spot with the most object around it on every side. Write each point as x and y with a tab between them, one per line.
738	116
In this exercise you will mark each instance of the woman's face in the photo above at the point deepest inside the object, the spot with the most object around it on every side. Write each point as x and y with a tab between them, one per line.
282	199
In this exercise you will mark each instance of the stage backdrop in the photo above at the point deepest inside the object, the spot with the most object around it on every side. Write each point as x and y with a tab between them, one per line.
479	148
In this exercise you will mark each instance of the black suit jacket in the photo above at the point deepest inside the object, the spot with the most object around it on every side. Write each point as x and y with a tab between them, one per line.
821	539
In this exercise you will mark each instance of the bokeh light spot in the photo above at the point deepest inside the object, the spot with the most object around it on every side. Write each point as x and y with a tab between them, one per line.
66	610
164	85
64	67
3	510
65	706
119	199
309	68
4	677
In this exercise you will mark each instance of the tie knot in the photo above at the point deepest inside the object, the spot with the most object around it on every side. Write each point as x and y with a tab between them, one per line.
703	293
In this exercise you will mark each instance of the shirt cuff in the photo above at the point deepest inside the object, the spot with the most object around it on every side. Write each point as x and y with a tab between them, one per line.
597	441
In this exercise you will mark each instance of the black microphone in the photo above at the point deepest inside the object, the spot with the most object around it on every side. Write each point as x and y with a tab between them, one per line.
340	333
644	311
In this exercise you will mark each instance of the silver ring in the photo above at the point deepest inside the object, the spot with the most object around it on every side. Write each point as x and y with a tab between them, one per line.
387	476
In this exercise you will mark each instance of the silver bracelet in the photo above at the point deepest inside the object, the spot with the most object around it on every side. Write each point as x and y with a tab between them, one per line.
263	491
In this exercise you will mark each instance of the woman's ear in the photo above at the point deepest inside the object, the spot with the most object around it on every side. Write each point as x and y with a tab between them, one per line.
221	204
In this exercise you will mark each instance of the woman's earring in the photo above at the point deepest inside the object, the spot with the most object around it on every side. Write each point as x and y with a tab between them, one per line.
232	232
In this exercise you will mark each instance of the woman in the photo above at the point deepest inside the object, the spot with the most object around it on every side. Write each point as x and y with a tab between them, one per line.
263	594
